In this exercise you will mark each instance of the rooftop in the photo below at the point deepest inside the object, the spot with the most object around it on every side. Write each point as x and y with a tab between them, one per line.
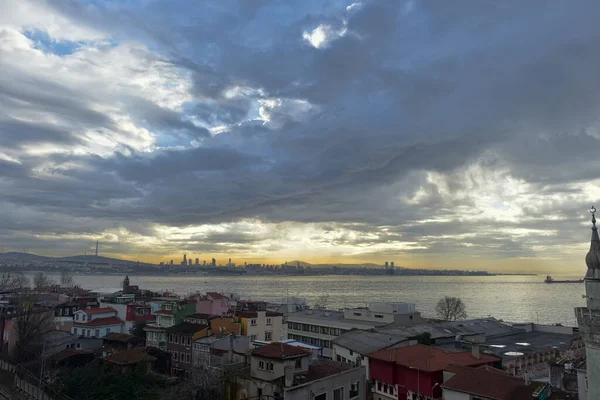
319	370
254	314
522	344
329	316
366	342
121	337
490	327
428	358
280	351
131	356
186	327
483	382
98	310
201	316
100	322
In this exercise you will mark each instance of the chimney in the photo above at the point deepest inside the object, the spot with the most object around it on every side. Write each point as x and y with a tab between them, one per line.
457	342
475	350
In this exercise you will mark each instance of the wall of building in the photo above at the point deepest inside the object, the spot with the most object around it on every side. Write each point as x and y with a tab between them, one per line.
452	395
258	330
582	385
329	384
213	306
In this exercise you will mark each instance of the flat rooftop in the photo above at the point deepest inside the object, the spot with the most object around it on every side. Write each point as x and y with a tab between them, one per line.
330	318
366	342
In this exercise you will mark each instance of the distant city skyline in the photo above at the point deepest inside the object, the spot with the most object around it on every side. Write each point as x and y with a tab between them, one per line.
459	137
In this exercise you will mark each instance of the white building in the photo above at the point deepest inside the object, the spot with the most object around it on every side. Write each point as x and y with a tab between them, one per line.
96	322
320	327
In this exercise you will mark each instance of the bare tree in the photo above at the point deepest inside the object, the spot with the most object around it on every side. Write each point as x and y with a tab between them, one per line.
451	308
41	281
66	279
13	281
31	324
321	302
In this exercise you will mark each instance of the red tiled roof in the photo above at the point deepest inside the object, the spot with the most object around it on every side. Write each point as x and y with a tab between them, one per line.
280	350
99	322
164	312
131	356
483	382
427	358
98	310
67	353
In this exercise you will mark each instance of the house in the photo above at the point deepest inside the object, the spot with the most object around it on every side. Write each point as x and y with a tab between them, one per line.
127	360
212	303
321	327
354	346
64	313
131	312
278	370
258	323
171	313
417	370
71	358
220	350
115	342
181	337
97	322
485	383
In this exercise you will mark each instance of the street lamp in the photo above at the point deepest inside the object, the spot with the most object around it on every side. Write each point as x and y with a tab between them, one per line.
433	387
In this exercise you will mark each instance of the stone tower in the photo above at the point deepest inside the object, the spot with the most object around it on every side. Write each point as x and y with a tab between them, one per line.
588	318
126	284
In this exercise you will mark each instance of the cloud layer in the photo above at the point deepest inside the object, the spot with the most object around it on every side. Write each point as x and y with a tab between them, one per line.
434	134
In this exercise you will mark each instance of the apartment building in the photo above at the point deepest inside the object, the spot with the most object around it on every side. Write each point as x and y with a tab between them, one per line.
258	323
320	327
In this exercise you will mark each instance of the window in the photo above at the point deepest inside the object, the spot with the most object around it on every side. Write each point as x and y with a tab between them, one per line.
305	327
322	396
189	340
270	366
261	365
338	358
88	332
378	316
168	307
290	325
187	357
314	329
89	317
76	317
351	353
354	390
298	363
74	331
297	326
357	314
267	335
253	322
252	337
176	356
325	330
97	333
586	384
338	394
170	338
176	339
107	331
78	345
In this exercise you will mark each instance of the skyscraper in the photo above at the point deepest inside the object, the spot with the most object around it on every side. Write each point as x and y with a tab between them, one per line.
588	318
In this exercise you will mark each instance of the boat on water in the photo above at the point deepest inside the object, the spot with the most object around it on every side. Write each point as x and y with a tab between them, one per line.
550	280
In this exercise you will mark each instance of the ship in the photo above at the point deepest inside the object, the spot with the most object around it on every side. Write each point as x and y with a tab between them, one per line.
550	280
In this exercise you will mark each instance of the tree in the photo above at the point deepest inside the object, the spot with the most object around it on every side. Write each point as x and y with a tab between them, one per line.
66	279
13	281
31	324
451	308
41	281
423	338
137	329
321	302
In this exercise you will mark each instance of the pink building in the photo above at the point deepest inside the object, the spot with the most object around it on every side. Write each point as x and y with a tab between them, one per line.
212	303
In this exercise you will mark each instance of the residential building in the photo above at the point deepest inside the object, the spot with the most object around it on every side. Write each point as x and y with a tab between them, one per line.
588	318
354	346
131	312
321	327
64	314
258	323
484	383
179	345
97	322
278	370
212	303
171	313
582	380
220	351
115	342
416	371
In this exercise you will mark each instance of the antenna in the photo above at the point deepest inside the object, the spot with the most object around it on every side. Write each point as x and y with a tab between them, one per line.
96	248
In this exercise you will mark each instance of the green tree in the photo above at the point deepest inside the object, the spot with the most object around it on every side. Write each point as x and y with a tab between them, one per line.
423	338
137	329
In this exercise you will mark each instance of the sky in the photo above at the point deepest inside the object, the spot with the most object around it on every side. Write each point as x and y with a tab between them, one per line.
434	134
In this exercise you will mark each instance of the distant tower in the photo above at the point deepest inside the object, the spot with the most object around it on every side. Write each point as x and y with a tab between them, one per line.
197	261
588	318
126	284
386	265
184	258
96	248
392	265
214	262
171	262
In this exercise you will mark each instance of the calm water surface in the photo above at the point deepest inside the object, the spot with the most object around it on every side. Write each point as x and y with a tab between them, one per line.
511	298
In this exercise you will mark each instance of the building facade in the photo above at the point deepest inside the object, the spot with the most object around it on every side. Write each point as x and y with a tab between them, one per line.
259	324
96	322
588	318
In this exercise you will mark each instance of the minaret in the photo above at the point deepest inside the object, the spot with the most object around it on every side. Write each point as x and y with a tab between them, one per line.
588	318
